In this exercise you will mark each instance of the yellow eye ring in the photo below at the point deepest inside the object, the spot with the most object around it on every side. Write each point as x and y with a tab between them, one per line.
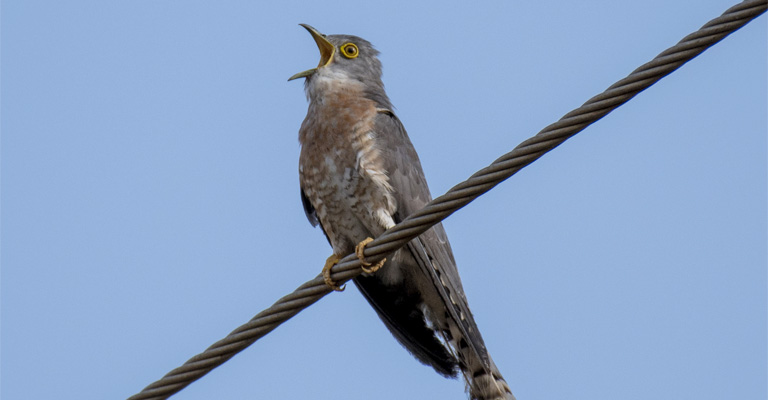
349	50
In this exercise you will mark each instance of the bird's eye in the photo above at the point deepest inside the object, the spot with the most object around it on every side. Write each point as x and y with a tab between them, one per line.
349	50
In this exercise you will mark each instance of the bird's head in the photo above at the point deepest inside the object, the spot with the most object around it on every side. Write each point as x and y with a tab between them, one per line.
344	57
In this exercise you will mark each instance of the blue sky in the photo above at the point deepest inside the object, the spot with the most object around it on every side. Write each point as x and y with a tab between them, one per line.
150	198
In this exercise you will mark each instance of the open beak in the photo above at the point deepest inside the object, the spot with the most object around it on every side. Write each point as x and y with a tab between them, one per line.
326	52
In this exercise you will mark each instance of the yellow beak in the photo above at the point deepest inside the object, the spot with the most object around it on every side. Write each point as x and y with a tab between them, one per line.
326	52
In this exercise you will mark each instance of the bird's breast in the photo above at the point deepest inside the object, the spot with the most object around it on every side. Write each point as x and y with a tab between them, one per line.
342	171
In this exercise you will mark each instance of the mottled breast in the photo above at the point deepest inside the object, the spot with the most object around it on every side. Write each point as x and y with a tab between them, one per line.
341	168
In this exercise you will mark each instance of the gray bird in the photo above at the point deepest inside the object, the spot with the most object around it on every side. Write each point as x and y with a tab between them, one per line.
359	176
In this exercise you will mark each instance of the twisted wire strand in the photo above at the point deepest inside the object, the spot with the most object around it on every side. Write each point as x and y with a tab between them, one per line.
458	196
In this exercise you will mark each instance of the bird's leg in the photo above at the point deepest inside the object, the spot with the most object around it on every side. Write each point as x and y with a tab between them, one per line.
329	263
365	265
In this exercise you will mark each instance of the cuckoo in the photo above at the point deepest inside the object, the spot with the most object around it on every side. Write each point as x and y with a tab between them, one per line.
360	175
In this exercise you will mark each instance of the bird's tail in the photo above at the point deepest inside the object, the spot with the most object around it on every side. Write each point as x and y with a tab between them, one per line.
482	377
485	383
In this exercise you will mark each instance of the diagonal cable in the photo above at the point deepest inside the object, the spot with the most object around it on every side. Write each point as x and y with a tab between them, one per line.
459	196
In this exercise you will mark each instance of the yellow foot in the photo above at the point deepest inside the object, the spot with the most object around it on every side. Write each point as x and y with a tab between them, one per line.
329	263
366	266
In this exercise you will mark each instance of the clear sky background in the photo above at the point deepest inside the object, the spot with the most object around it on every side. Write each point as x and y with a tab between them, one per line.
150	199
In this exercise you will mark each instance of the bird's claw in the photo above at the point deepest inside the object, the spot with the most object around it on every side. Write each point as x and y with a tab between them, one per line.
365	265
329	263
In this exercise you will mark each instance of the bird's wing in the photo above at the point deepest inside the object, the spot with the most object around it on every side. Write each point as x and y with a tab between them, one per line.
431	250
311	213
309	210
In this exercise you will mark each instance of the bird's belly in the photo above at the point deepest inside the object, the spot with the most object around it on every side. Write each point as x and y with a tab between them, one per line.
346	202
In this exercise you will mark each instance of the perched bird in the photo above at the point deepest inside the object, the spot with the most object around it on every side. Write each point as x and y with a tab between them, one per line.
359	176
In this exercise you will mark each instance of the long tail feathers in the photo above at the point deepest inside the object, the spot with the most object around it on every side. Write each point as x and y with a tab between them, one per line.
483	379
488	386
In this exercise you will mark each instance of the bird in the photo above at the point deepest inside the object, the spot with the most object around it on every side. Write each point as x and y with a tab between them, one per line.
360	175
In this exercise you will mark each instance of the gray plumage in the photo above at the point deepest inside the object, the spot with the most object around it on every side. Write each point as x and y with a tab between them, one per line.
359	176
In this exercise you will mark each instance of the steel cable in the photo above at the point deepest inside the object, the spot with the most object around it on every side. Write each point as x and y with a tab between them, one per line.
458	196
